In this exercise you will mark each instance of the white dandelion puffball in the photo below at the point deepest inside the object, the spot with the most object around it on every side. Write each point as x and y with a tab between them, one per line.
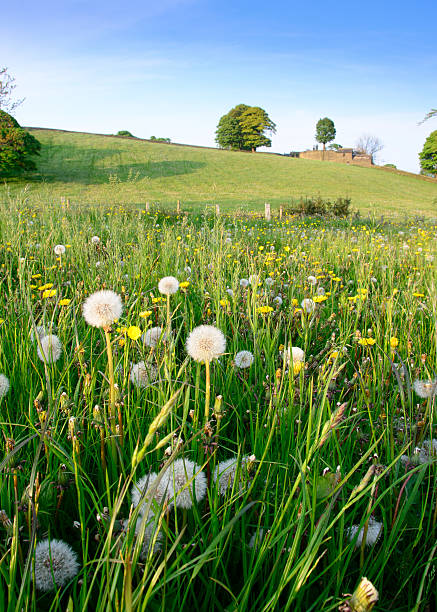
426	454
321	291
243	359
143	374
244	282
308	305
95	240
269	281
278	300
294	354
55	564
373	533
144	490
152	336
312	280
4	385
226	472
254	280
187	482
168	285
150	536
102	308
59	249
205	343
425	388
50	349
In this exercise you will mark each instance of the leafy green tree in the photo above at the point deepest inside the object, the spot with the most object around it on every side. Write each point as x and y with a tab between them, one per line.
125	133
335	147
325	131
428	155
243	128
17	147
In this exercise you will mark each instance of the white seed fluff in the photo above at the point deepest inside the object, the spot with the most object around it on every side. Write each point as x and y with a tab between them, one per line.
143	374
150	536
295	354
243	359
312	280
205	343
226	472
152	336
102	308
55	564
308	305
146	489
244	282
373	533
95	240
42	330
50	349
4	385
187	482
425	388
59	249
168	285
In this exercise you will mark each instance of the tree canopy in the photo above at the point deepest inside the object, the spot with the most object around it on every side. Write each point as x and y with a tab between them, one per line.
7	86
17	147
244	128
370	145
325	131
428	155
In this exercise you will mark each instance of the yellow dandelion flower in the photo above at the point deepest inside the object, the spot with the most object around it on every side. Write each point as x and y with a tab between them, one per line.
145	313
64	302
265	309
367	341
394	342
184	284
134	332
48	293
297	366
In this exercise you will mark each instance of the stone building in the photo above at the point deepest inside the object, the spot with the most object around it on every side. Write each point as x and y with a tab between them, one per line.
342	156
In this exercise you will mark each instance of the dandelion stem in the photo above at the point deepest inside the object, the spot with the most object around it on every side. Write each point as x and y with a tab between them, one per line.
111	394
207	390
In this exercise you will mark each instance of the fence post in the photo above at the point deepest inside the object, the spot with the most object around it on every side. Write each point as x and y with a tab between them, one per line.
217	210
281	211
178	207
267	212
147	207
68	203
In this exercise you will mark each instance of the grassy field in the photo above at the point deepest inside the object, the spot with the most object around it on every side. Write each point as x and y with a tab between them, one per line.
96	169
160	472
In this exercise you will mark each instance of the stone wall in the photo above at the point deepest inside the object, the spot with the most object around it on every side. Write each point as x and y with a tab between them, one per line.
343	156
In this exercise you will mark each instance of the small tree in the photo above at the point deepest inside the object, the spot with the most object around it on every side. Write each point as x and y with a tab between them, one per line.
428	155
125	133
325	131
7	86
16	147
244	127
370	145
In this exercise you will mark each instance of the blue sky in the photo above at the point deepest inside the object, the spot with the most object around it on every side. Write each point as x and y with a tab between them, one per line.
172	68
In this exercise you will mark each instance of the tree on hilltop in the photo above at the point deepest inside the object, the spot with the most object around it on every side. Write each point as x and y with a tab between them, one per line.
325	131
7	86
17	147
370	145
428	155
244	127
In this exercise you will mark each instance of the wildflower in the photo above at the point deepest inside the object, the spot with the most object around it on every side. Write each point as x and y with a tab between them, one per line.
134	332
243	359
244	283
296	354
320	298
59	249
153	335
205	343
145	313
4	385
425	388
55	564
320	291
168	285
95	240
151	536
278	300
265	309
367	341
64	302
102	308
394	342
50	349
227	471
373	533
187	482
48	293
142	374
363	599
184	284
312	280
144	490
308	305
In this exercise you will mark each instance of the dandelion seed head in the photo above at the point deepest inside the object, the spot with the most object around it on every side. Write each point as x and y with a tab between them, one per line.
373	533
4	385
95	240
152	336
226	472
55	564
244	282
168	285
50	349
143	374
144	490
312	280
59	249
102	308
243	359
187	482
294	354
425	388
205	343
308	305
151	534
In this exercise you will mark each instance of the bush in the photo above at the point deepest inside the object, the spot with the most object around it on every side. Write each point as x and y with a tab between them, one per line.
159	139
390	166
125	133
16	147
341	207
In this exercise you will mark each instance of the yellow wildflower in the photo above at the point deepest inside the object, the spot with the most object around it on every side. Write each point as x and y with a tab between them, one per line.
265	309
48	293
134	332
64	302
145	313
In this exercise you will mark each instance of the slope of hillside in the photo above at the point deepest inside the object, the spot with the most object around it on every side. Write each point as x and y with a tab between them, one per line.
101	169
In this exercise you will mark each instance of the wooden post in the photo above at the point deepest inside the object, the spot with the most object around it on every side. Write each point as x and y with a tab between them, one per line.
178	207
68	203
281	211
267	212
217	209
147	207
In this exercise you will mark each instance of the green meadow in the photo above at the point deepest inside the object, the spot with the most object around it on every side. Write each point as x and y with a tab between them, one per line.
96	169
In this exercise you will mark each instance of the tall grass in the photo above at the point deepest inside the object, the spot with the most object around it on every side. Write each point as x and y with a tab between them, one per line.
334	444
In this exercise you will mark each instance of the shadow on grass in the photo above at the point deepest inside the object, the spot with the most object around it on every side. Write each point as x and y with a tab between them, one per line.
91	166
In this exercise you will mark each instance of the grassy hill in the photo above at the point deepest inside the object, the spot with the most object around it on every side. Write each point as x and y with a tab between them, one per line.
100	169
